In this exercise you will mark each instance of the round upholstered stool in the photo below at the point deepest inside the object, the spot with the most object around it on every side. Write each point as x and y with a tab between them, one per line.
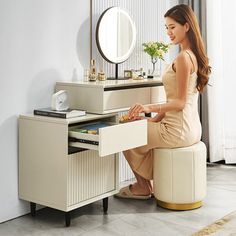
179	177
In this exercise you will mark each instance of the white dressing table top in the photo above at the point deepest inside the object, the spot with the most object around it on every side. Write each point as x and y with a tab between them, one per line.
87	117
113	83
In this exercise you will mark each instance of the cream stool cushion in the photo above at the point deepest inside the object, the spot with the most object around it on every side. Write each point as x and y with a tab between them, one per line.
179	177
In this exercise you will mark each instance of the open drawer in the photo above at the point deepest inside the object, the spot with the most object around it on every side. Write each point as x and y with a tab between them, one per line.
111	137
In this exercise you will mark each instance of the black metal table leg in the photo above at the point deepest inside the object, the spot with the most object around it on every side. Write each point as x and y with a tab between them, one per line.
67	219
105	204
33	208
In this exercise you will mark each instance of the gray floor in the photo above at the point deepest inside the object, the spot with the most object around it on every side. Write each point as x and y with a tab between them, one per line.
135	217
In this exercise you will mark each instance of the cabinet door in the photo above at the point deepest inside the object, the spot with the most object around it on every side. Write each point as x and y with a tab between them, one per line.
112	138
90	176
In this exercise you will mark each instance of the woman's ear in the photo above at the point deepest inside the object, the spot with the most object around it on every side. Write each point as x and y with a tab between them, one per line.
186	25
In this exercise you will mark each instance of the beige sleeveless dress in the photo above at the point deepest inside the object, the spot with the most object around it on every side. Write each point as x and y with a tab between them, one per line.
176	129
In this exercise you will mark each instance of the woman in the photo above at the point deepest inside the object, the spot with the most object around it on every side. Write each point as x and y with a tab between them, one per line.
177	122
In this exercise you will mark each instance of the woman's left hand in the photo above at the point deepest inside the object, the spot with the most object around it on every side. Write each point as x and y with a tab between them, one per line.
136	109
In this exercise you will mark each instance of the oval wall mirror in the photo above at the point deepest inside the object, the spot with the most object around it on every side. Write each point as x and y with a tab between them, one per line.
115	35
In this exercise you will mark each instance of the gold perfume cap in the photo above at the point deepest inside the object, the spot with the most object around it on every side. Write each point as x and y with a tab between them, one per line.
93	62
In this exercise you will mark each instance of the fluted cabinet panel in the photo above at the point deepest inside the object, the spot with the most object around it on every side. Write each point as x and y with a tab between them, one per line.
89	176
149	21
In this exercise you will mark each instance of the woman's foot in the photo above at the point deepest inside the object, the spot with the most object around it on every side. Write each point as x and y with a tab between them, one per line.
136	189
127	193
149	182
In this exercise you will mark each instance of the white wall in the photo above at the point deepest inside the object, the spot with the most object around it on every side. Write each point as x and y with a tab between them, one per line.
41	42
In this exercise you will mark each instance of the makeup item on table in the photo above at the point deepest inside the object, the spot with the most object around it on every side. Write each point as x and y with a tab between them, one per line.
101	76
127	74
93	71
124	118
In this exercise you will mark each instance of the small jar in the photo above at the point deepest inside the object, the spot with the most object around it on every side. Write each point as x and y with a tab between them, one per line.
101	76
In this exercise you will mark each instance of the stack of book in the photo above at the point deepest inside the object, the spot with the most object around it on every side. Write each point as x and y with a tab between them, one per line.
69	113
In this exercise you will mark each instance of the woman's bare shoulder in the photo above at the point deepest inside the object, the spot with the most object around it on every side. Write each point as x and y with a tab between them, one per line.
182	56
182	59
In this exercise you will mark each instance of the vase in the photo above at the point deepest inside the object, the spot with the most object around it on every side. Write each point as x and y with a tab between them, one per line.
156	67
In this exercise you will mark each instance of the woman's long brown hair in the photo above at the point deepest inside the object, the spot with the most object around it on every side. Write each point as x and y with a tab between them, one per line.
184	14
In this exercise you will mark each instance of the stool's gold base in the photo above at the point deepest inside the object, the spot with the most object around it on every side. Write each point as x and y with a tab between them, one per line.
179	207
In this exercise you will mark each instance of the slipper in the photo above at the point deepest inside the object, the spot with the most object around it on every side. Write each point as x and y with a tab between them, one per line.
126	193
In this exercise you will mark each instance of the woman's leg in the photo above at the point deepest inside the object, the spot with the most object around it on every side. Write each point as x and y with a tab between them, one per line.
140	160
141	187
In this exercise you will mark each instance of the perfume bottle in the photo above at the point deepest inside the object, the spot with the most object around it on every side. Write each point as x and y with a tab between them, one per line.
93	71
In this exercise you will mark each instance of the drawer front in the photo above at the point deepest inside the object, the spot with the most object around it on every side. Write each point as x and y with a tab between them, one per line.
158	94
125	98
113	139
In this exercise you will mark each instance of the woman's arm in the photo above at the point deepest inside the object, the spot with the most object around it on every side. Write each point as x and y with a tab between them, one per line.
158	117
183	70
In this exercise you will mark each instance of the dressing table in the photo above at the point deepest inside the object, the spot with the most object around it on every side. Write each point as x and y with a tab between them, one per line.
65	169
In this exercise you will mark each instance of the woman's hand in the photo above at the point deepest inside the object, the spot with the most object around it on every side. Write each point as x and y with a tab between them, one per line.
136	109
142	118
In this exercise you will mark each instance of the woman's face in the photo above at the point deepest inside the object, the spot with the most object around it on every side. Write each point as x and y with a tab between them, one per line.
176	31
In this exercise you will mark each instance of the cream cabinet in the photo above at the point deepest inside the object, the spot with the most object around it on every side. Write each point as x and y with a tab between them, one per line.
62	168
102	97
